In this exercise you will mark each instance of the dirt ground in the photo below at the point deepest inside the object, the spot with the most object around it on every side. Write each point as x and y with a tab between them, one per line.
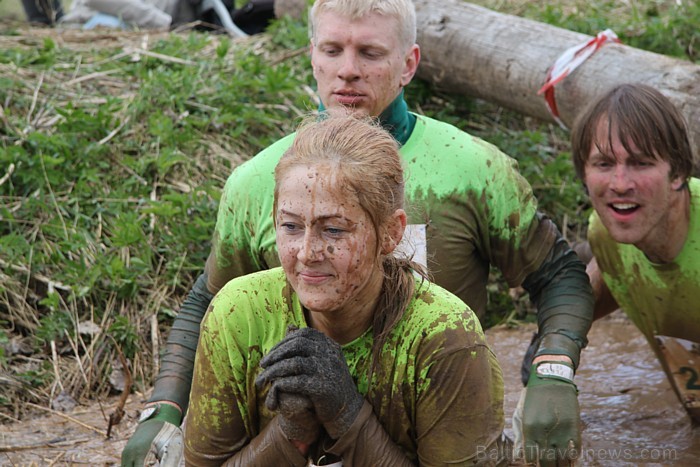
629	412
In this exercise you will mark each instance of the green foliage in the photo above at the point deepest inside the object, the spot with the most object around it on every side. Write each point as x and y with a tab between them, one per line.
109	209
665	27
36	377
125	335
55	324
671	31
290	34
14	246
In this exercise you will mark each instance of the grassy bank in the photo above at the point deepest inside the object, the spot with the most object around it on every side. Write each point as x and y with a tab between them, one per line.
114	147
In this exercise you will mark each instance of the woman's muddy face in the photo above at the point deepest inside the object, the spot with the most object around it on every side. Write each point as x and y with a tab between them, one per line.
326	242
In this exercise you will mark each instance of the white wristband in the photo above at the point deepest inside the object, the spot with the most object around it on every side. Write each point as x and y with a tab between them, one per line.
558	370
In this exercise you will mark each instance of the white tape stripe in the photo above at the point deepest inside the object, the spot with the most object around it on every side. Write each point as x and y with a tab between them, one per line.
556	369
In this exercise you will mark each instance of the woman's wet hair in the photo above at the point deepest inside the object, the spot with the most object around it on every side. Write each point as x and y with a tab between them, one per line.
638	115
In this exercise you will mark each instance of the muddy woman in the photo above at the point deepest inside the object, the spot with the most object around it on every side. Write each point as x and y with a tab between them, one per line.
346	353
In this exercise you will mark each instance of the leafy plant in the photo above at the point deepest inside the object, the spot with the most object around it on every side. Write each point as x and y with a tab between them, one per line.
55	324
124	333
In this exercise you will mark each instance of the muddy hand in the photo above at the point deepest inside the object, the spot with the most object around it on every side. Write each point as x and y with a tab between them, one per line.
308	363
551	415
295	412
297	418
158	437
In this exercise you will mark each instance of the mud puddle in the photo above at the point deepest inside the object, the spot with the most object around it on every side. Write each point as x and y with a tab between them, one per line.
630	414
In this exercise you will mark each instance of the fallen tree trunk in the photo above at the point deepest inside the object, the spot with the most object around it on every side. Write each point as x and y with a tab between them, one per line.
504	59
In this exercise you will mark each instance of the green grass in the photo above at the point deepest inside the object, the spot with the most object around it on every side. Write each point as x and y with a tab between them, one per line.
667	27
111	166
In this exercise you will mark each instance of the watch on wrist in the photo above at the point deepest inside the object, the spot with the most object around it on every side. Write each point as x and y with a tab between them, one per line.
149	412
556	370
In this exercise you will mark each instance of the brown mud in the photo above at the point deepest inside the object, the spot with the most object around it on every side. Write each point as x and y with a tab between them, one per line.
630	414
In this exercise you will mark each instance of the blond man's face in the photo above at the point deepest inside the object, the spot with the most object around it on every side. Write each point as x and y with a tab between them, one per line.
360	64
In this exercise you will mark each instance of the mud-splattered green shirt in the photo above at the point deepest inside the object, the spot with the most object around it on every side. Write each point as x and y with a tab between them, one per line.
438	390
467	205
661	299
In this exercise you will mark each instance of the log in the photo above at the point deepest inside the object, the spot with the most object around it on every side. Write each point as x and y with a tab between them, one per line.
471	50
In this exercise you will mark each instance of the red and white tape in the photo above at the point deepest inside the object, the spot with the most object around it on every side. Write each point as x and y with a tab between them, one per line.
568	62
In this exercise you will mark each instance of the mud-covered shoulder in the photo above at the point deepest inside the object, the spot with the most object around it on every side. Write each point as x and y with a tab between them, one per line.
434	314
442	159
258	304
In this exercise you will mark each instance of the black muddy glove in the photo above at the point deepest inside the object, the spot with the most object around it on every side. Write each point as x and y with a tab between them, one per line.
308	363
296	416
